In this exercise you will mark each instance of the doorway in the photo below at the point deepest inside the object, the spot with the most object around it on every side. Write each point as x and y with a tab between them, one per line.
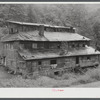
56	73
77	60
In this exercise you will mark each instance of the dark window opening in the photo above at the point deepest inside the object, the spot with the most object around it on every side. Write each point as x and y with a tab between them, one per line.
53	62
73	45
83	45
58	46
39	62
11	30
56	73
77	60
46	45
77	45
88	58
34	45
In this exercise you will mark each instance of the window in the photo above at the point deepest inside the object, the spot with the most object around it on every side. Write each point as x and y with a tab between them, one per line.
58	46
7	46
11	30
34	45
83	45
40	45
73	45
10	46
77	45
56	73
46	45
88	58
39	62
16	30
53	62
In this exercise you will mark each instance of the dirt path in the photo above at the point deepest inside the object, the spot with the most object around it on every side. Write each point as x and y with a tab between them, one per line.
4	74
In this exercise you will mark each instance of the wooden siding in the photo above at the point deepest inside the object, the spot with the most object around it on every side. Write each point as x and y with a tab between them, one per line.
66	46
84	61
62	63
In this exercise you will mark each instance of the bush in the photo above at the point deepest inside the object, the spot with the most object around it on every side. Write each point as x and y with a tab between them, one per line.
90	76
94	74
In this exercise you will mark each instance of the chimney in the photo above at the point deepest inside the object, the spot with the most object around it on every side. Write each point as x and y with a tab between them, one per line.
73	30
41	30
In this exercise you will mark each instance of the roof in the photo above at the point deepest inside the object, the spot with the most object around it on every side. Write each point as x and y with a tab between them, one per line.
37	24
26	55
48	36
27	36
64	36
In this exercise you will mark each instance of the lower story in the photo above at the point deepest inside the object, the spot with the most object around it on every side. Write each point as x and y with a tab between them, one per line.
54	65
51	65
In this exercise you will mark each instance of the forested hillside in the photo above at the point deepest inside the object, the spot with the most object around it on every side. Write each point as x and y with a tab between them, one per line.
84	17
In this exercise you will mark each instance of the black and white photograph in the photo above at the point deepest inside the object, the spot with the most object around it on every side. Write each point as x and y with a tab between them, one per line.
49	45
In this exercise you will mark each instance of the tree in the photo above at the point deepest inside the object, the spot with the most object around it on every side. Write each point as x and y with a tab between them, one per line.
96	29
31	14
13	12
16	12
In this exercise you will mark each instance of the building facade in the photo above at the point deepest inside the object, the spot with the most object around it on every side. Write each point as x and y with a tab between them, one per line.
47	49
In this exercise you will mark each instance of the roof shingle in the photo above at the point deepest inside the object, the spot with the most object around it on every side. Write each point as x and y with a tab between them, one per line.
48	36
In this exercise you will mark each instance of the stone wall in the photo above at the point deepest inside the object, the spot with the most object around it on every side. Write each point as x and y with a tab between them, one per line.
9	55
62	63
12	58
89	60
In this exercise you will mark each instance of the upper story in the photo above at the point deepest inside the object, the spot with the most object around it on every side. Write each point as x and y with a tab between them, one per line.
16	27
33	36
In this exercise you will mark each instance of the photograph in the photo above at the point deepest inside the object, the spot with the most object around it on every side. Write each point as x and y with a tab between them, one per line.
46	45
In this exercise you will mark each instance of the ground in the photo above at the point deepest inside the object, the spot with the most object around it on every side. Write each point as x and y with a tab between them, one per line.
92	85
4	74
90	79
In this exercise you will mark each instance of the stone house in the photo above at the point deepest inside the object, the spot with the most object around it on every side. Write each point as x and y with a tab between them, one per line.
31	47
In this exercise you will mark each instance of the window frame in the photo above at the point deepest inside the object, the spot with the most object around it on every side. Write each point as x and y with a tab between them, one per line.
88	58
35	46
53	61
39	63
83	45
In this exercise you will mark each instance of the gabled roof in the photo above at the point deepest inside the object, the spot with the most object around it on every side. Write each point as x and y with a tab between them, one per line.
48	36
27	36
64	36
26	55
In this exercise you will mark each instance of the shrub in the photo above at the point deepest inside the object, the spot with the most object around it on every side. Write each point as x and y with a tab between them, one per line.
90	76
94	74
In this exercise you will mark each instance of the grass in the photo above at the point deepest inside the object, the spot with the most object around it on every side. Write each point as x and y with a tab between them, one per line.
91	75
67	80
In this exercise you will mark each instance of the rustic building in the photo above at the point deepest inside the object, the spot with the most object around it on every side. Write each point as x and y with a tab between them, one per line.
31	47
